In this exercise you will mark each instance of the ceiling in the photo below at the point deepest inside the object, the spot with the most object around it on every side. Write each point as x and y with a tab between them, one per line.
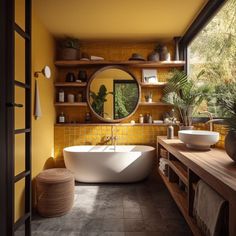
136	20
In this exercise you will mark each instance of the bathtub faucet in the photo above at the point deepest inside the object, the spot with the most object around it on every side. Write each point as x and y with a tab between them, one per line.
113	137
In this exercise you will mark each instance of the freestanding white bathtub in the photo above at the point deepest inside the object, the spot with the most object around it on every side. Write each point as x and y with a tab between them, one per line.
105	164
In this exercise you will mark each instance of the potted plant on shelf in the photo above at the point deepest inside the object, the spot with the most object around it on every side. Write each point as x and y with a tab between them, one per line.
226	99
185	94
69	49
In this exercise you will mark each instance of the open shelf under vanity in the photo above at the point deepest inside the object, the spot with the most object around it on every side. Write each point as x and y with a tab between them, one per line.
185	167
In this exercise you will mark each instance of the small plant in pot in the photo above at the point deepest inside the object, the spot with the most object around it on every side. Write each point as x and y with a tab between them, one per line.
69	49
185	94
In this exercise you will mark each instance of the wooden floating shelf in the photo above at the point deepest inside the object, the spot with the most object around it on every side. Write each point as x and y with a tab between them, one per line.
70	84
147	64
68	104
159	84
154	104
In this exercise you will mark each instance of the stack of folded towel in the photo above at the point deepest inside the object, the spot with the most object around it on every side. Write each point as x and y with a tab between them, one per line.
163	166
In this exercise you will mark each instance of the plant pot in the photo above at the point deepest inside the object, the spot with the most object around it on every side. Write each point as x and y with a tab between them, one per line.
186	127
230	145
68	54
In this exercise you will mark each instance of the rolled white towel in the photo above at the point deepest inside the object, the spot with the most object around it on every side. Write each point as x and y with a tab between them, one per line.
37	105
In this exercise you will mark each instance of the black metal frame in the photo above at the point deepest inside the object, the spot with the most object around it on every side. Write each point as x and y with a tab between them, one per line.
206	14
8	28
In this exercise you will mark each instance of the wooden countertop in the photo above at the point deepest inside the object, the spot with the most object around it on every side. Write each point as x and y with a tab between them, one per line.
215	164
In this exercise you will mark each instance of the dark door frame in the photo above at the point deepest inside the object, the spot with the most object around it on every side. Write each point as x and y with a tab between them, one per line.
8	28
6	130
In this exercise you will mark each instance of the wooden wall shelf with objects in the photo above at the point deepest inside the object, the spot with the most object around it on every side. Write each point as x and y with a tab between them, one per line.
74	104
187	166
70	84
90	67
158	84
154	104
144	64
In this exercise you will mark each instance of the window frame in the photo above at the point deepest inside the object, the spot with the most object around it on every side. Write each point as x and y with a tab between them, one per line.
206	14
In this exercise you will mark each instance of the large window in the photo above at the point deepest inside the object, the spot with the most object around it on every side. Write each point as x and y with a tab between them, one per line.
214	51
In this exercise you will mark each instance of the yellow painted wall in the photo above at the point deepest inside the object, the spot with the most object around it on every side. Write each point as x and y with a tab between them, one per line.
42	129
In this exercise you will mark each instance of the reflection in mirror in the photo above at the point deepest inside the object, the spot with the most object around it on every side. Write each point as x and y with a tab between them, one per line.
113	94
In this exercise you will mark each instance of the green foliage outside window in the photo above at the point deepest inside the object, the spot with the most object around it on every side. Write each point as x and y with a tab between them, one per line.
214	50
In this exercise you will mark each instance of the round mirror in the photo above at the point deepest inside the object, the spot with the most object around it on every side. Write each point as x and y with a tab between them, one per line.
47	72
113	94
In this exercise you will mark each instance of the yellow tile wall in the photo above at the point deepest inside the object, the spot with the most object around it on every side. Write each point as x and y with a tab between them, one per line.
218	128
93	134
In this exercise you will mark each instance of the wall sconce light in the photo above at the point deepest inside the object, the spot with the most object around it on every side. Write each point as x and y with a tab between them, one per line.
46	71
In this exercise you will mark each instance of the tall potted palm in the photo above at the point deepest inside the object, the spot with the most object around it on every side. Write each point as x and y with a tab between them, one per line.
185	94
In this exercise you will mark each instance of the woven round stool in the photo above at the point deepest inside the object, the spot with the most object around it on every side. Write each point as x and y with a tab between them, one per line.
55	192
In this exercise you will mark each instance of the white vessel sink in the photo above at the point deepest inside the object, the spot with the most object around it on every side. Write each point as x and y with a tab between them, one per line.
198	139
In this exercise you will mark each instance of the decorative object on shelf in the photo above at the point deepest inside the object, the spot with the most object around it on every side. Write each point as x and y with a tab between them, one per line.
165	55
70	98
84	57
136	57
170	131
61	118
69	49
177	40
122	98
141	119
96	58
163	52
46	72
148	97
158	121
149	76
153	56
70	77
82	76
61	96
132	122
79	97
88	117
148	118
186	95
170	128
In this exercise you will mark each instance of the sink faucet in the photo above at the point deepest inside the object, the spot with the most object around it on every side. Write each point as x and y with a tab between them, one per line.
211	119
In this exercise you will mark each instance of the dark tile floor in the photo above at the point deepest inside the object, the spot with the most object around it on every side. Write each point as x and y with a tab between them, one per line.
139	209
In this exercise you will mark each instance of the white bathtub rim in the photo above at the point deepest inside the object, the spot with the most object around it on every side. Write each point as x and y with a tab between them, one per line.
77	148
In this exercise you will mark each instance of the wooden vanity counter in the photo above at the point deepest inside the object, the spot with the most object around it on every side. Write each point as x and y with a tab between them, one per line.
213	166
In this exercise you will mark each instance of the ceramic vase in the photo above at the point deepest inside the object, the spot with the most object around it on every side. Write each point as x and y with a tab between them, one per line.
230	144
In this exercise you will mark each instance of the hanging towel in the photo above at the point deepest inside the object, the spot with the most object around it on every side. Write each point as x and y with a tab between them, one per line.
37	106
209	210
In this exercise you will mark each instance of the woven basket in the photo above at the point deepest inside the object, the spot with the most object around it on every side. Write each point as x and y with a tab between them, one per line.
55	192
